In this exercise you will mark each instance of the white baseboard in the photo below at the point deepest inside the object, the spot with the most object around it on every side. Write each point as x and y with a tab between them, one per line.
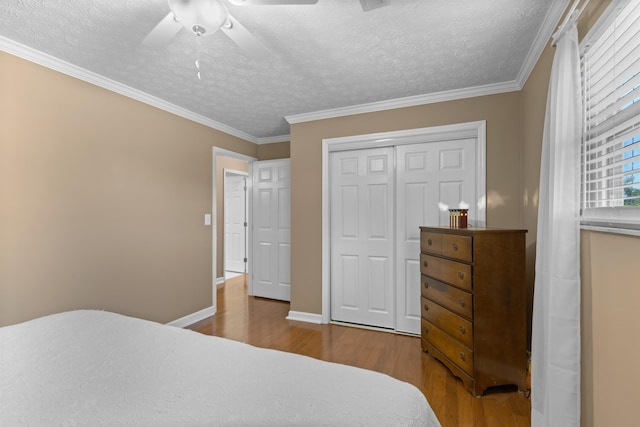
305	317
219	281
192	318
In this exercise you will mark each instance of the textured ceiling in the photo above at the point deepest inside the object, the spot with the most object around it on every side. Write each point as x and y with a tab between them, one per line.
323	56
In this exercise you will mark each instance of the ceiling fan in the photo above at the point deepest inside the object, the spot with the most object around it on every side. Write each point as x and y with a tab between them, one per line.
368	5
205	17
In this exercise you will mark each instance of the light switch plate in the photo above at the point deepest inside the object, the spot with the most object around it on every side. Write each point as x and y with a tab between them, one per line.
207	219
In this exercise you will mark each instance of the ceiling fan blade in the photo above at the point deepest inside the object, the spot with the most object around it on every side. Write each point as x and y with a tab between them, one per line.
368	5
270	2
162	32
243	38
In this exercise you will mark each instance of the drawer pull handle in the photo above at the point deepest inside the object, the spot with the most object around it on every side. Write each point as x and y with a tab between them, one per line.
426	284
455	246
460	275
430	242
461	302
426	264
426	330
463	330
426	307
463	356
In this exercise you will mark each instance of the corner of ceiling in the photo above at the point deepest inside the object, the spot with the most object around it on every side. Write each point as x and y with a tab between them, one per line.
543	36
553	16
53	63
430	98
273	139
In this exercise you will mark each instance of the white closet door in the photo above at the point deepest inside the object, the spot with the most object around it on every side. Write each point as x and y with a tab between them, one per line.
234	222
271	220
457	175
362	262
426	174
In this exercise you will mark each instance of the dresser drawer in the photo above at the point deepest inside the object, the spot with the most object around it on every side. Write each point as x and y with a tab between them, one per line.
456	352
431	242
458	247
454	299
452	272
449	245
454	325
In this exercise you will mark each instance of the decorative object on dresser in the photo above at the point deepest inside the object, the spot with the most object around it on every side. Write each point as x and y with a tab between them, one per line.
473	304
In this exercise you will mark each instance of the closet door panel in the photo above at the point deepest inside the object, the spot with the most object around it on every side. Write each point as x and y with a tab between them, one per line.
362	237
428	176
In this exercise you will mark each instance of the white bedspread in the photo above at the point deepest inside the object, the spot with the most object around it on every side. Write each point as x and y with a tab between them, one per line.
90	368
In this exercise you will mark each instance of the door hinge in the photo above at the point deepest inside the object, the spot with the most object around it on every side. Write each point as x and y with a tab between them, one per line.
245	224
245	260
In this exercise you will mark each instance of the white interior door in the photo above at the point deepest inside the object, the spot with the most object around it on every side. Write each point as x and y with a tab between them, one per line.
362	266
235	222
426	174
271	221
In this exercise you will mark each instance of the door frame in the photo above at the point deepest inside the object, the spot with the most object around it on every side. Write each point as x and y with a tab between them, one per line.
225	173
475	130
216	151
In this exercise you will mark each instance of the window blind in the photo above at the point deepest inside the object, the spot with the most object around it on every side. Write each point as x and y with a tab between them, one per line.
611	142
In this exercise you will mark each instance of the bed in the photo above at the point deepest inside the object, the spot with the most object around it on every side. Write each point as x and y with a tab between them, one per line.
90	368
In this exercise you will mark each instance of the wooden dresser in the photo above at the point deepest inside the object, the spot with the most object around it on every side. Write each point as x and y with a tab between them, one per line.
473	304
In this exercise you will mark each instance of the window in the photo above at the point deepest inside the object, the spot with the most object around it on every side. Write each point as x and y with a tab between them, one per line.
611	143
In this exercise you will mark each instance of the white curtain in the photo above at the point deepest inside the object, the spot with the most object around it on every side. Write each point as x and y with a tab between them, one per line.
555	370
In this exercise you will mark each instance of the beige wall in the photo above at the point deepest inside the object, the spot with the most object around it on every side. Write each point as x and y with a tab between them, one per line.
102	200
610	295
276	150
504	190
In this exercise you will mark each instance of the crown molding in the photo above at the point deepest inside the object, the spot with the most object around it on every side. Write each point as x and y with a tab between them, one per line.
53	63
274	139
551	20
410	101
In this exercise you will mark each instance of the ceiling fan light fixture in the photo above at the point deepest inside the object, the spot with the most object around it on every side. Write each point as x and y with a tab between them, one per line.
368	5
270	2
201	17
198	30
204	17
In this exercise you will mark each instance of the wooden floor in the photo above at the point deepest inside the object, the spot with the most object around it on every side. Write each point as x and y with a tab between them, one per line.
262	323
